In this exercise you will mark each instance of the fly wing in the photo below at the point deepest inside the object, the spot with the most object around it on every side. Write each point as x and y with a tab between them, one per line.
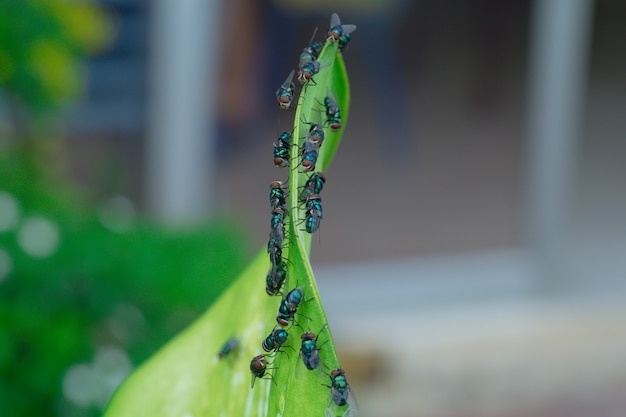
332	409
352	403
313	36
288	80
313	361
347	29
348	413
347	398
334	20
331	405
322	64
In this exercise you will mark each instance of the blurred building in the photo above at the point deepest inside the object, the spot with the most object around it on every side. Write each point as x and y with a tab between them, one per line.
116	87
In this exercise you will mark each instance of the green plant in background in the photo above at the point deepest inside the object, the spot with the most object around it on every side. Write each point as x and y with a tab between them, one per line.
86	293
42	44
187	377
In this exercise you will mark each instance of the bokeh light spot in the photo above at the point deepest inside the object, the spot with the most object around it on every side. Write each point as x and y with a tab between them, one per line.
110	367
38	237
79	385
93	384
118	214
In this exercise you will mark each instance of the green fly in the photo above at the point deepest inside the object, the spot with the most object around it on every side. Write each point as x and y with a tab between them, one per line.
284	94
333	114
275	340
275	278
258	369
313	213
340	394
228	347
313	185
337	29
281	150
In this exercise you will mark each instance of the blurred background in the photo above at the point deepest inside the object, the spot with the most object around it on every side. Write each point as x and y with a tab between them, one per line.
471	257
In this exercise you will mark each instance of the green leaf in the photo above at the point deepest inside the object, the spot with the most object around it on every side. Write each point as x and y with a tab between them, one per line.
186	377
332	77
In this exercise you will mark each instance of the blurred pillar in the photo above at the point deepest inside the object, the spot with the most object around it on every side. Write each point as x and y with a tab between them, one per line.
559	49
179	176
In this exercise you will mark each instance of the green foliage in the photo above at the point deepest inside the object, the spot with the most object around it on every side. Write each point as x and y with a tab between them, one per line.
98	288
186	378
42	43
